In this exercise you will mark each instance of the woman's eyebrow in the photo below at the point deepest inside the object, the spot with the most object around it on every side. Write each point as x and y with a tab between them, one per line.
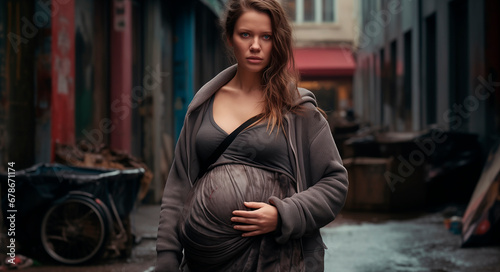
243	29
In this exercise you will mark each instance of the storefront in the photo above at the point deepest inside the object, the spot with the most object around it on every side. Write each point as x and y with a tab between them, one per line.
328	73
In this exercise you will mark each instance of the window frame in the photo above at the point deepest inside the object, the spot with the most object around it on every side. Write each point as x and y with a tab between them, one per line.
318	16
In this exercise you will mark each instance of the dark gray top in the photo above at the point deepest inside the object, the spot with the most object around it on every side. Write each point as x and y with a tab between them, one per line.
253	146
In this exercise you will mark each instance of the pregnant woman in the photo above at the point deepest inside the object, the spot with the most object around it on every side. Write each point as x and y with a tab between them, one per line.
259	204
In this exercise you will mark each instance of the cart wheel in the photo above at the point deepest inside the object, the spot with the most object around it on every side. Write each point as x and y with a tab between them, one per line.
75	230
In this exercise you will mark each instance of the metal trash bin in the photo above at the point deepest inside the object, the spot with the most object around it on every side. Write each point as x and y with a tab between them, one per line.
42	187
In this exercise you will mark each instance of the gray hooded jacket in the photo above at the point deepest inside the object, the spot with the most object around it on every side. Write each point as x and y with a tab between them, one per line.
321	179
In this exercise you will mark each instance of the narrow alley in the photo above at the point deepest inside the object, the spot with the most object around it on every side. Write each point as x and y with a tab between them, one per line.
94	95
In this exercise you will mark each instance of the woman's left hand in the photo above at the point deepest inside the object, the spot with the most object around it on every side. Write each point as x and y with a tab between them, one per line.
263	219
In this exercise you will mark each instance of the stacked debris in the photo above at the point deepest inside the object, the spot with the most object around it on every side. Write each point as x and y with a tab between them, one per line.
481	221
86	155
436	166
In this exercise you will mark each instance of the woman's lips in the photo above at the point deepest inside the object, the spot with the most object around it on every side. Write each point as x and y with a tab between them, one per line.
254	60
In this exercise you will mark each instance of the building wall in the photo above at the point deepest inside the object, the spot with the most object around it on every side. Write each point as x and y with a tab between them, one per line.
420	63
333	90
3	91
138	94
19	84
339	32
181	54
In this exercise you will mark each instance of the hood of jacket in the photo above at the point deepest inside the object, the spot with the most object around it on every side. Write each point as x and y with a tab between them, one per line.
206	91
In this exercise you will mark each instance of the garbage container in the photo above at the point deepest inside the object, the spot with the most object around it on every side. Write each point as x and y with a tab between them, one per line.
454	168
42	187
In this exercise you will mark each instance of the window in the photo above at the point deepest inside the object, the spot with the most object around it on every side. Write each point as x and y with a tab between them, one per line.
430	70
458	58
310	11
407	79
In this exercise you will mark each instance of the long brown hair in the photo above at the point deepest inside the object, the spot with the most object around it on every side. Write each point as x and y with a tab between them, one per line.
280	78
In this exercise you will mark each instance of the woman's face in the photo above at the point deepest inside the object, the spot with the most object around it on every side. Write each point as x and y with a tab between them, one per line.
251	41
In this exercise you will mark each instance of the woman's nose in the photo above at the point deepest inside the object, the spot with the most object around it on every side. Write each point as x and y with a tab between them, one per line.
255	46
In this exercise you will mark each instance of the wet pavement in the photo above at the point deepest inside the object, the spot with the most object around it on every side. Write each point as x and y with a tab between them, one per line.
357	242
415	242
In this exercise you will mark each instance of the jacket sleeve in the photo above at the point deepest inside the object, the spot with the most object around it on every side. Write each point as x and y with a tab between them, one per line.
177	187
326	184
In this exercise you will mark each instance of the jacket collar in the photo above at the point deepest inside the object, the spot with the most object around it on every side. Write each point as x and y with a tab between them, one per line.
211	87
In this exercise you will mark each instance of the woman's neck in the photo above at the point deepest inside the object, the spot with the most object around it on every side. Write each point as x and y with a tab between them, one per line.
247	81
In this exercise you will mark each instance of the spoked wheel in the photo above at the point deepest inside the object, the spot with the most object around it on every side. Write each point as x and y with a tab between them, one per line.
75	230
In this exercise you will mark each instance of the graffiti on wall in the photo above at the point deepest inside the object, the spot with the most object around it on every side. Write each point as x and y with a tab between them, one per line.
119	18
63	76
62	59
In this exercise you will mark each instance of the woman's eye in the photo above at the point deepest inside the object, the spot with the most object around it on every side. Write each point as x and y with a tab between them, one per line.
245	35
266	37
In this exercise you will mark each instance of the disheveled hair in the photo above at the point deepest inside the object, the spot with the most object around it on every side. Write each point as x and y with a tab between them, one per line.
280	78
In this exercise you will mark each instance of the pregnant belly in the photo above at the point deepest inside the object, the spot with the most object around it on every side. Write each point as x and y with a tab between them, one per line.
206	230
226	187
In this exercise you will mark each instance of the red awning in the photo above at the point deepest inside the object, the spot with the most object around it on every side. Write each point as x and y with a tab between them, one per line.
323	62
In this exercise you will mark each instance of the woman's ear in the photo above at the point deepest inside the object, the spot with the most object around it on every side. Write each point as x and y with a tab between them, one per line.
229	42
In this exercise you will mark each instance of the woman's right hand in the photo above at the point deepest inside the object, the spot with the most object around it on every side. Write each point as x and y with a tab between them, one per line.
263	219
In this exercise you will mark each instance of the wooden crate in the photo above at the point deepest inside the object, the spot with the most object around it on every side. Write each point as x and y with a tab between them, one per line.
369	189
